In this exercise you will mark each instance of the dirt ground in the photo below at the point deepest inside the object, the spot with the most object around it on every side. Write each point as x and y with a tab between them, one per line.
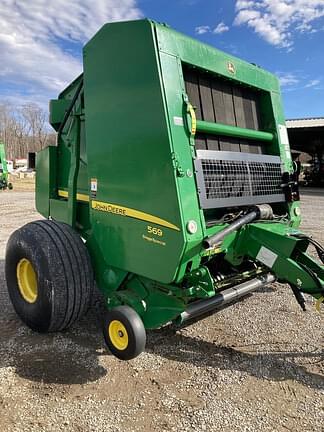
256	366
22	184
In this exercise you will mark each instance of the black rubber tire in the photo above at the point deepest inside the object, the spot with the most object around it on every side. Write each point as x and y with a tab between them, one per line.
135	330
63	271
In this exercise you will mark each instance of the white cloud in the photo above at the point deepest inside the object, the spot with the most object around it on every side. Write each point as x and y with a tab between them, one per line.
202	29
313	83
243	4
291	81
287	79
246	15
220	28
32	59
277	20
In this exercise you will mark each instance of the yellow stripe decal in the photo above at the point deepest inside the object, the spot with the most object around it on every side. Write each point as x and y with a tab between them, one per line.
80	197
136	214
83	197
63	193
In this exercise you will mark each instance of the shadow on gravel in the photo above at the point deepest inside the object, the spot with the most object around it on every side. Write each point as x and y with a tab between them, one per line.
274	365
70	357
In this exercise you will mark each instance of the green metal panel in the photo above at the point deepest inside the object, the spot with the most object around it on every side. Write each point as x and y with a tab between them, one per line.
46	170
59	210
68	137
58	108
132	165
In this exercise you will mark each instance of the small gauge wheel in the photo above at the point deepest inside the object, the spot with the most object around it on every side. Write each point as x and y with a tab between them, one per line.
124	332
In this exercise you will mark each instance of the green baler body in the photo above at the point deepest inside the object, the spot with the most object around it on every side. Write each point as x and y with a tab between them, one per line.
123	173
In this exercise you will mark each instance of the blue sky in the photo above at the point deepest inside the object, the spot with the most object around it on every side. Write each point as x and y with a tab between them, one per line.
41	41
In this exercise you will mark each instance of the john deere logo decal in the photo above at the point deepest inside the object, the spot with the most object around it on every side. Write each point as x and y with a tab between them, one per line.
231	67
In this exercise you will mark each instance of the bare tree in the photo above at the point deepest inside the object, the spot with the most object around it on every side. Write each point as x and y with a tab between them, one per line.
12	130
37	123
23	129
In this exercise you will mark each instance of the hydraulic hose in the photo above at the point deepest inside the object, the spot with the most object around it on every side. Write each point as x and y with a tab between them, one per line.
263	211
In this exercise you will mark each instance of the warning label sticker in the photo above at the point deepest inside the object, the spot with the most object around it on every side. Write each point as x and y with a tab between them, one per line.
283	134
178	121
93	187
266	256
284	139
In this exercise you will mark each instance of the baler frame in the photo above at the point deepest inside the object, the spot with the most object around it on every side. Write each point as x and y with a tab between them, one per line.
159	246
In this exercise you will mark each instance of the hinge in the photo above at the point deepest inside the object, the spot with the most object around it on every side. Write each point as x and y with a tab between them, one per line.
176	165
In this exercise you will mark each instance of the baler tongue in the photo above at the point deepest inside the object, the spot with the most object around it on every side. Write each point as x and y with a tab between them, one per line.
318	280
280	248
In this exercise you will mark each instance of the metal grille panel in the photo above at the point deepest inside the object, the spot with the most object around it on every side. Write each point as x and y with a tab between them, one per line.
229	179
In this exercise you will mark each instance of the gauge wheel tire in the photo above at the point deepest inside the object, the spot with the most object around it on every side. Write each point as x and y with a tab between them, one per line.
124	332
49	275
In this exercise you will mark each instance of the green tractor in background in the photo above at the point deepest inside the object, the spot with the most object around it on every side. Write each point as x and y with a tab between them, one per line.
4	184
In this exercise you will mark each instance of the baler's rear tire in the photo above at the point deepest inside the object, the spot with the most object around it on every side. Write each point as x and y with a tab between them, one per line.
49	275
124	332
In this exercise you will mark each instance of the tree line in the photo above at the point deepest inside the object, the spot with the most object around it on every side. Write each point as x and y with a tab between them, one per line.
24	129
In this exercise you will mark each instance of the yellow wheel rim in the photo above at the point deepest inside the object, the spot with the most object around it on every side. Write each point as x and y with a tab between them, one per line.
27	280
118	335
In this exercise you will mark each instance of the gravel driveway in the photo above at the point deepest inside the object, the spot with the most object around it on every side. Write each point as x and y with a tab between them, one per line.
256	366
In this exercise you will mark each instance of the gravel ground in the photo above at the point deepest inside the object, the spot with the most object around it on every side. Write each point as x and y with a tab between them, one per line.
256	366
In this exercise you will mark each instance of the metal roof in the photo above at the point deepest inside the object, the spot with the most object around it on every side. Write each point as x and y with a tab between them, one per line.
305	123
